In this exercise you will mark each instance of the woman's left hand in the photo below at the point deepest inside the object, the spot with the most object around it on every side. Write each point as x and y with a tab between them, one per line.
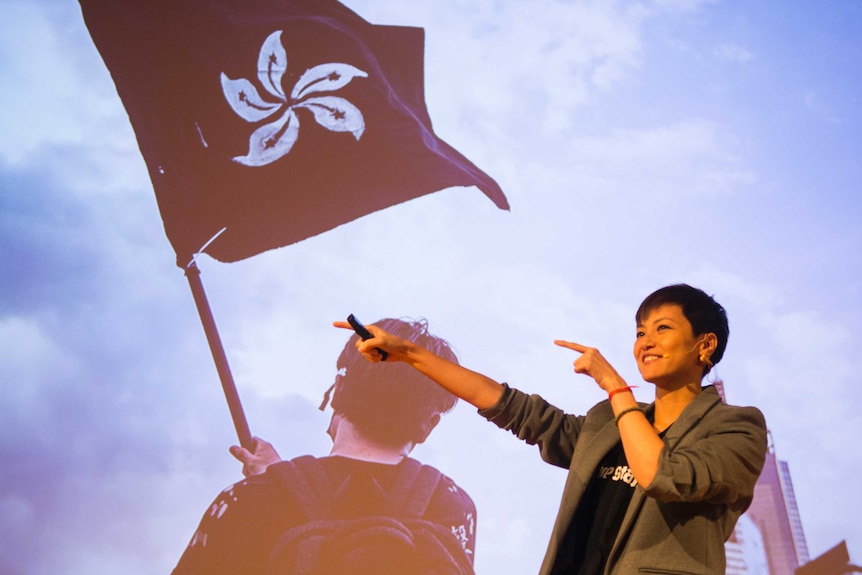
592	363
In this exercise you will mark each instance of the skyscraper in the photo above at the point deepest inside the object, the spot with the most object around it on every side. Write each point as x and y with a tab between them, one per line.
746	554
775	513
771	526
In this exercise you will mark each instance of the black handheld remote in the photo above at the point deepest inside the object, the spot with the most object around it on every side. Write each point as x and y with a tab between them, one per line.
363	332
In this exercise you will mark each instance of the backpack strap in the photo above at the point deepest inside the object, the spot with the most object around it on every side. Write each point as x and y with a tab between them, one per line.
305	478
413	489
317	478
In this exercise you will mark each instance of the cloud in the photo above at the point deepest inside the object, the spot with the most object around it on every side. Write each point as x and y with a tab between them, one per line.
733	53
94	386
818	106
533	66
57	92
681	5
48	240
686	159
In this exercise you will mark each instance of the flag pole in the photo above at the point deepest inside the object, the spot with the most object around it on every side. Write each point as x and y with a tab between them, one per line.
193	274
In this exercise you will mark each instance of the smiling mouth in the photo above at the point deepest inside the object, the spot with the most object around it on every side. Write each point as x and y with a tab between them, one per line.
651	357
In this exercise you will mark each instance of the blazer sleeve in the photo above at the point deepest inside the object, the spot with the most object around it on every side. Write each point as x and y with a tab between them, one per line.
718	462
537	422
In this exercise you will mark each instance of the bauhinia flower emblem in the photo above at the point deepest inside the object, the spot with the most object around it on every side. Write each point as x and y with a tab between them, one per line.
275	139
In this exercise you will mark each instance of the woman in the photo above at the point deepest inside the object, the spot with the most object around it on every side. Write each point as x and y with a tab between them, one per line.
651	488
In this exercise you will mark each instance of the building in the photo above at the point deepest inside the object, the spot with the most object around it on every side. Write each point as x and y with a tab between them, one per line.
774	517
746	553
775	513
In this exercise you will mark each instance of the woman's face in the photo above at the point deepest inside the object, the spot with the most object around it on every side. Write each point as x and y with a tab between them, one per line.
666	349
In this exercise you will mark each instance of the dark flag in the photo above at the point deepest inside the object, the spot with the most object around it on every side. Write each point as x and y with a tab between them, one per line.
273	120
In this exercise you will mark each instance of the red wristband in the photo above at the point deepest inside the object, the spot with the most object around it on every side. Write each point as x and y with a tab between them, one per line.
613	392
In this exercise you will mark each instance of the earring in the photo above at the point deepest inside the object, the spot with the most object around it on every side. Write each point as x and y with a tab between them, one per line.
705	359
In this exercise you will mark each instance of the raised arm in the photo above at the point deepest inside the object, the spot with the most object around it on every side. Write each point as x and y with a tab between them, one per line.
641	443
476	389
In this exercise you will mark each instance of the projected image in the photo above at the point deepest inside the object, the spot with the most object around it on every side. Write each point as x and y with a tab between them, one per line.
194	191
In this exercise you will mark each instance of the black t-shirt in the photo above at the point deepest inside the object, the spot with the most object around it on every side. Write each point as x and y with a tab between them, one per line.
241	526
599	515
598	518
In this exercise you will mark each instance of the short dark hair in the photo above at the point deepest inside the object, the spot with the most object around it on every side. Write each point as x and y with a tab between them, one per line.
702	311
392	403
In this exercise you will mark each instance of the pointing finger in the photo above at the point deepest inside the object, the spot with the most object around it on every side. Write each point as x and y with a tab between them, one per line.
571	345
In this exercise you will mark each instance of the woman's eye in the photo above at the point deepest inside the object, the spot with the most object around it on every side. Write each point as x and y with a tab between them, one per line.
662	327
639	334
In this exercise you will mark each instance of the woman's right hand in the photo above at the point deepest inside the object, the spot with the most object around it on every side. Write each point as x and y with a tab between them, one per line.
473	387
395	347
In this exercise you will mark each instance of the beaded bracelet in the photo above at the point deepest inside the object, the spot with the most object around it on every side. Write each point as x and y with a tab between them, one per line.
625	411
613	392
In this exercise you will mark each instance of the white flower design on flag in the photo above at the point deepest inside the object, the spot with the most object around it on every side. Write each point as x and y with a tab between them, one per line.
275	139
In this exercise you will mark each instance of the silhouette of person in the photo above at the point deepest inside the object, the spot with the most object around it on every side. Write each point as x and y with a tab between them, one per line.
379	415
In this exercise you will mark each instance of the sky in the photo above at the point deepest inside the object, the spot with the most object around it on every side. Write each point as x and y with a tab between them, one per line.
639	144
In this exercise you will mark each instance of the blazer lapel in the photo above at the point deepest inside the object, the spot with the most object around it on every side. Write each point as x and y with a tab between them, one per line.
692	414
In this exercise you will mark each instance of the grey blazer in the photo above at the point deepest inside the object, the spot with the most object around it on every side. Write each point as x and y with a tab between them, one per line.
679	523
